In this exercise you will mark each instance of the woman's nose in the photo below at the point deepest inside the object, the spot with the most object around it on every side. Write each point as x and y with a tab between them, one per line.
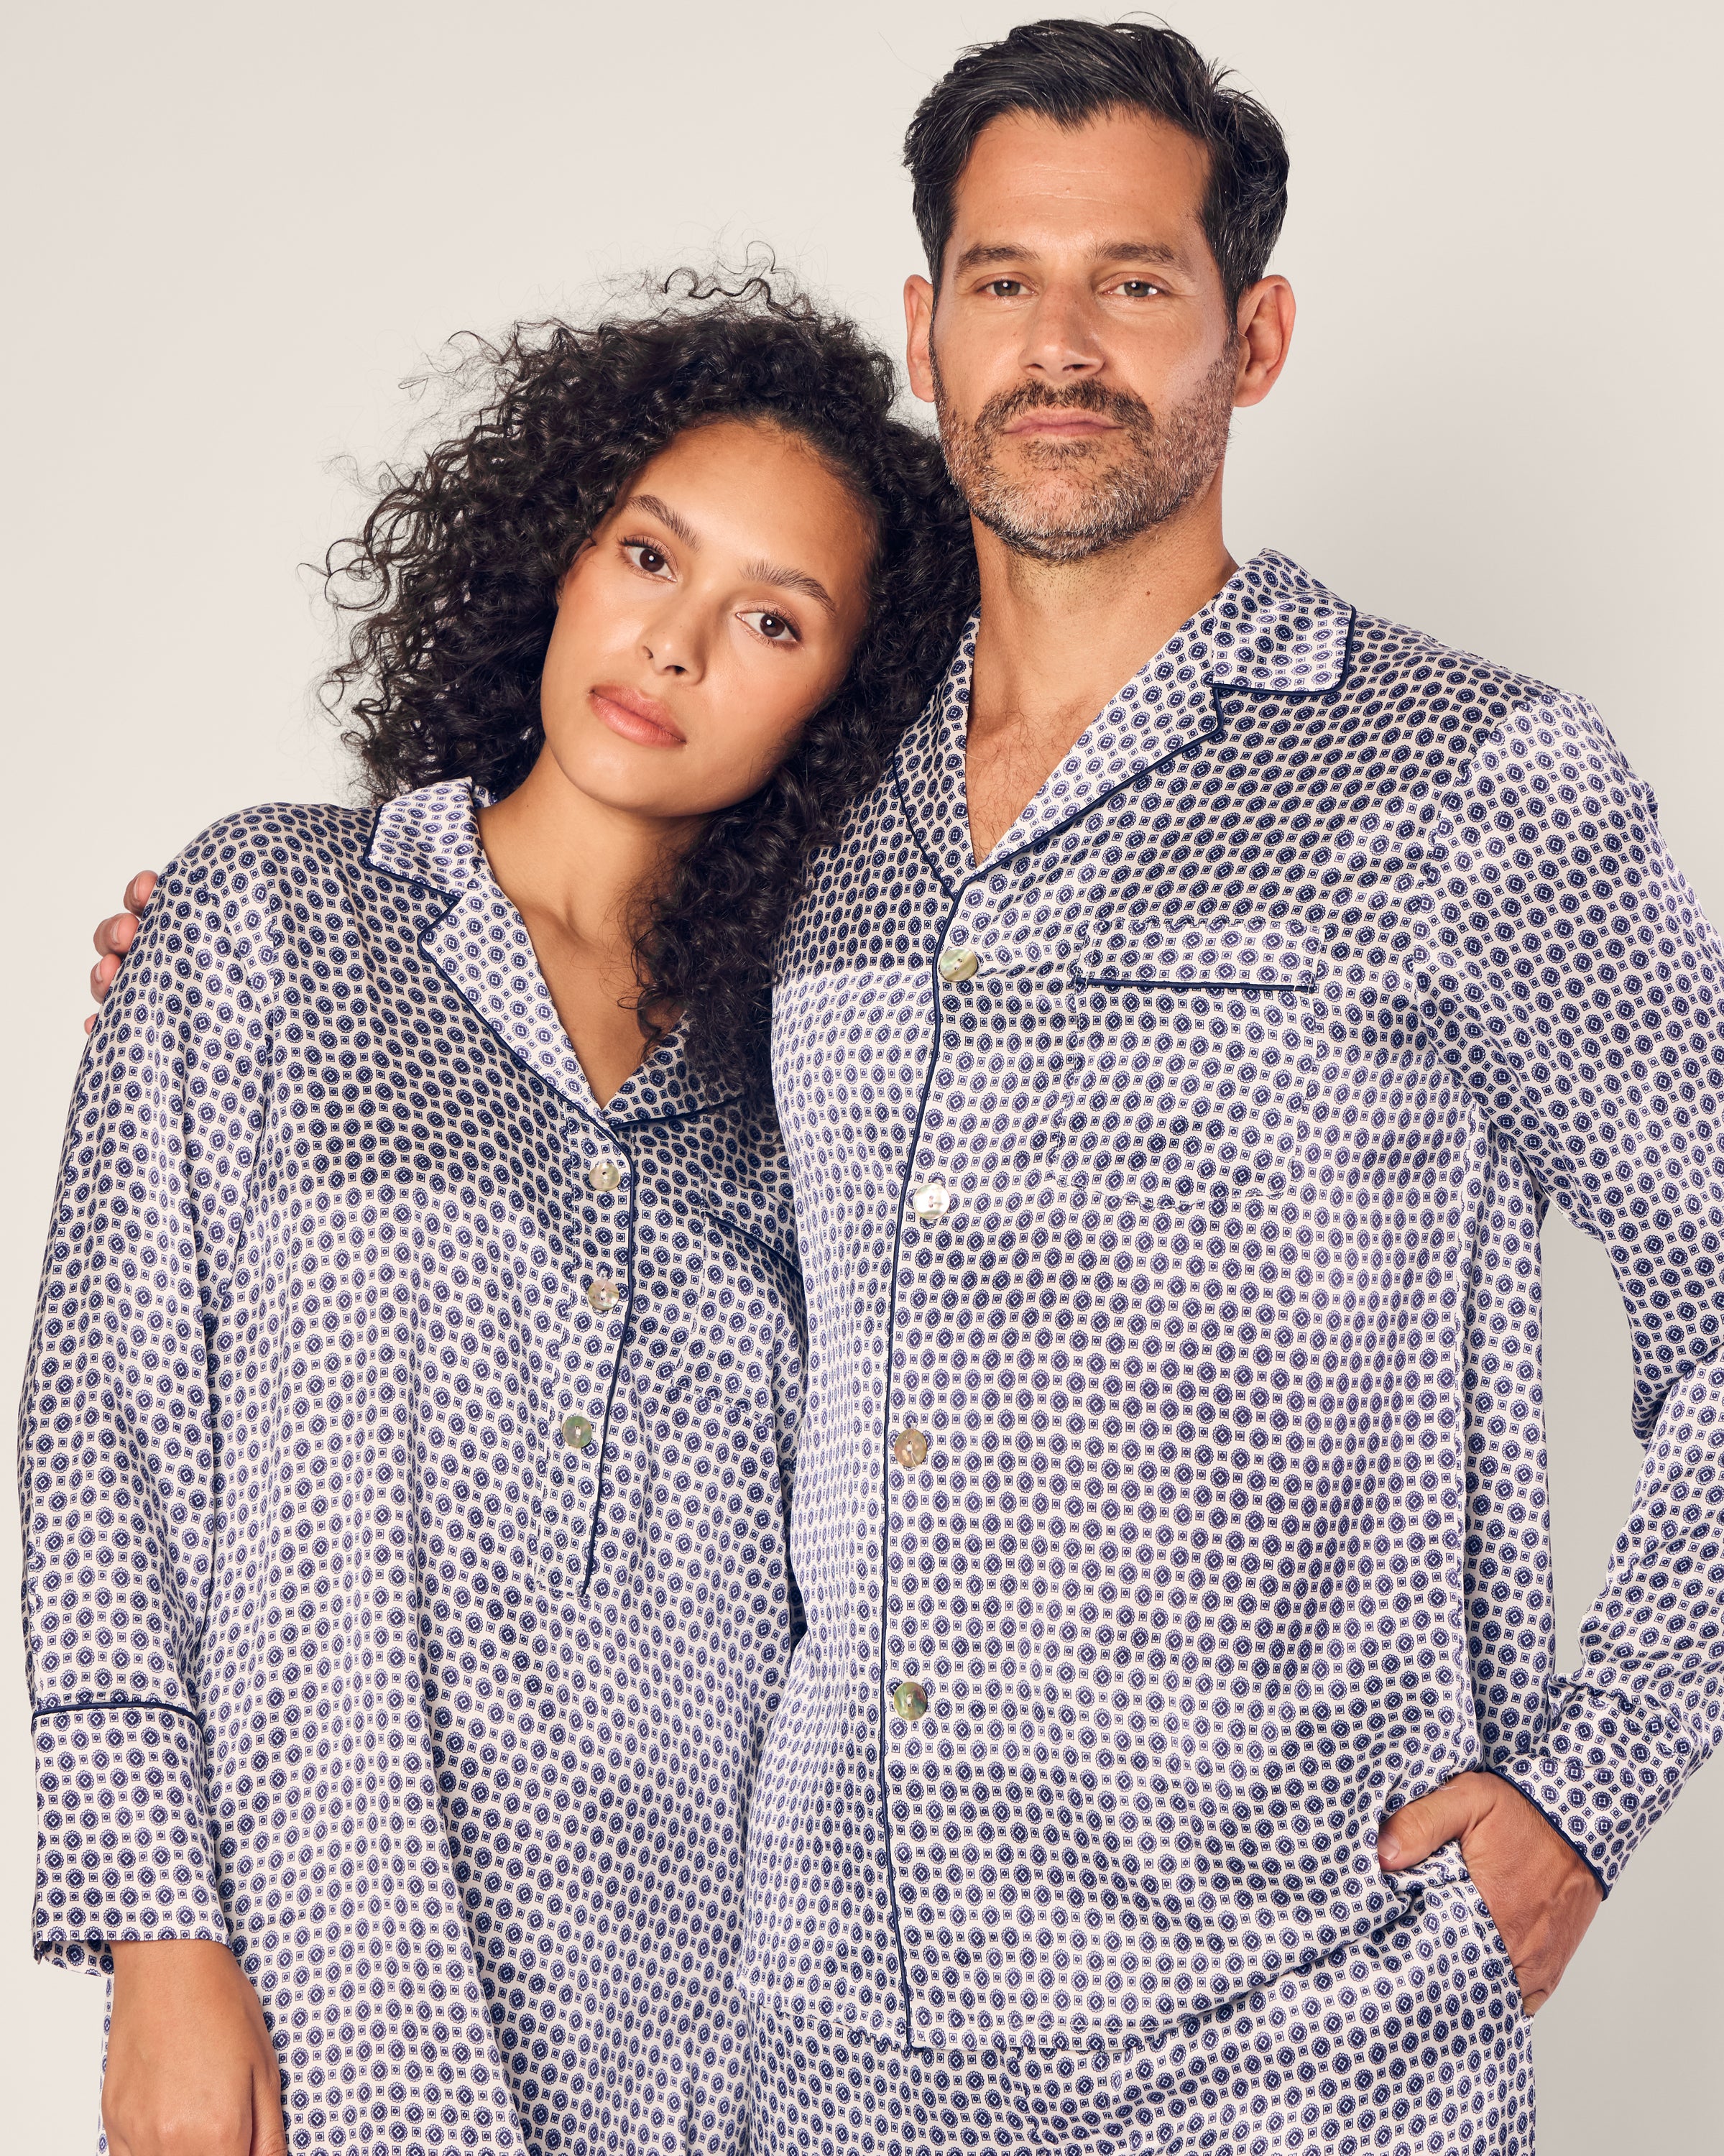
675	640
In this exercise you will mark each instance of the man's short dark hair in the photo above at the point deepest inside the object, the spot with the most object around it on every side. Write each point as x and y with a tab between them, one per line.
1069	72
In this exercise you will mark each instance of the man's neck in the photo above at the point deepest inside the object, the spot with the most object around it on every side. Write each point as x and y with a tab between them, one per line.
1058	641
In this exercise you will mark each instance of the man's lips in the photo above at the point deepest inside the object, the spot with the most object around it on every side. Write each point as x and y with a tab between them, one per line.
1061	422
641	719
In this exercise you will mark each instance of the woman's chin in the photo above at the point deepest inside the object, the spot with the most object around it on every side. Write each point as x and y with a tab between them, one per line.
621	776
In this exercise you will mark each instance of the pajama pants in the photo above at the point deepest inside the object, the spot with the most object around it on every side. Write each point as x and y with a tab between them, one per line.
1411	2042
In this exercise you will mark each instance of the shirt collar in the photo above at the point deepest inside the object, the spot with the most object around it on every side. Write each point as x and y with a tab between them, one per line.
1271	629
430	839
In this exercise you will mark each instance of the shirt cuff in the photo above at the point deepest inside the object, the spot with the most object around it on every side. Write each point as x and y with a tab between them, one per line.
1608	1773
124	1847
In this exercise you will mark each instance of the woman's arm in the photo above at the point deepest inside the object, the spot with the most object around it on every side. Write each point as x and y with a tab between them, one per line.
113	938
118	1472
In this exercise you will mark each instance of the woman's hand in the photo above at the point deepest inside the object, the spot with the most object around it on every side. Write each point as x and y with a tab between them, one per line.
113	937
191	2068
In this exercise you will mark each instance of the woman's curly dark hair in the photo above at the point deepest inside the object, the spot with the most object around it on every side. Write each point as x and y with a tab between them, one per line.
455	572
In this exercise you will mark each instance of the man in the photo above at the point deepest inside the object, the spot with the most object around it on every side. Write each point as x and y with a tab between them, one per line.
1174	1095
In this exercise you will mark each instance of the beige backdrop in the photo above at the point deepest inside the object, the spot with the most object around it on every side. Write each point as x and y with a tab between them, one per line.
235	227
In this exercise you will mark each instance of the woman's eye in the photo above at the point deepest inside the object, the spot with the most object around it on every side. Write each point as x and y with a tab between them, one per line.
773	627
646	555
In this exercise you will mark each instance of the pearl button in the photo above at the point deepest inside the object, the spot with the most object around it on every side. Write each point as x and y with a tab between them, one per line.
909	1448
958	963
577	1431
604	1295
910	1701
930	1201
604	1175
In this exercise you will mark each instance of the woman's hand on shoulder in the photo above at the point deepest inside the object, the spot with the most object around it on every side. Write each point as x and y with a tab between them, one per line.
113	937
191	2069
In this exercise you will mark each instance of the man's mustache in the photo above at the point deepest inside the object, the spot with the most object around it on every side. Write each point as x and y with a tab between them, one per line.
1118	405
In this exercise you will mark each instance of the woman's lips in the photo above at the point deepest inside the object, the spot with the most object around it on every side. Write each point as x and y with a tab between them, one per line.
636	717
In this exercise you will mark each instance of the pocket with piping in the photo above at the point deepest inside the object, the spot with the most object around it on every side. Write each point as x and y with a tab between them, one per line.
1256	955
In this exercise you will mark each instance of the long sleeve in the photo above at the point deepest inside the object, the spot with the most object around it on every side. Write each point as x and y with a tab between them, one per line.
1572	979
119	1441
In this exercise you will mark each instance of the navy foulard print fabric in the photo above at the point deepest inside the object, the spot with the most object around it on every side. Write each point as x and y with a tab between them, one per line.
405	1457
1170	1503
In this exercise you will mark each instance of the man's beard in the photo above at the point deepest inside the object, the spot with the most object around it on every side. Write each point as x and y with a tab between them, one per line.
1120	484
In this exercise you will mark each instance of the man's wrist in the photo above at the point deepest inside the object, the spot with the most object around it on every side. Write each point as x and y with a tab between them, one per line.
1574	1849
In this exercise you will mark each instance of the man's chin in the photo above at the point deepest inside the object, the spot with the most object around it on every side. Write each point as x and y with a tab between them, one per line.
1055	544
1059	524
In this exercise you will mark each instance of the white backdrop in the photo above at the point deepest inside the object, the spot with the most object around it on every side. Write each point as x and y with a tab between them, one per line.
233	230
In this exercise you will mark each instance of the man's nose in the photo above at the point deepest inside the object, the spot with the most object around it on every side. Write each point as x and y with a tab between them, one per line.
1061	344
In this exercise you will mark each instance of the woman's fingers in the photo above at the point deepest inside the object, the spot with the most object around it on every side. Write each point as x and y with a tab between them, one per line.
114	937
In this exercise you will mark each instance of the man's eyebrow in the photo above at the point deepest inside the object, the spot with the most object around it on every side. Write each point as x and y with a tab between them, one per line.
790	580
666	516
984	257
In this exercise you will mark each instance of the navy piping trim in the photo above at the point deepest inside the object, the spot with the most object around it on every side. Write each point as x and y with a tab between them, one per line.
1555	1828
886	1453
451	899
1302	986
368	859
1251	689
1212	732
916	831
119	1707
623	1342
427	929
1217	686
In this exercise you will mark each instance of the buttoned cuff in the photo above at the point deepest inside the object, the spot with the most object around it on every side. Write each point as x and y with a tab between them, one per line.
1608	1773
124	1846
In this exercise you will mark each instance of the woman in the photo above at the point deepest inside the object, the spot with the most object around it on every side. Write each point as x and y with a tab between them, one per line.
407	1440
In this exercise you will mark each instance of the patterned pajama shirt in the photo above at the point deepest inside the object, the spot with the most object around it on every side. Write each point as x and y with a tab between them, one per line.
1170	1497
404	1464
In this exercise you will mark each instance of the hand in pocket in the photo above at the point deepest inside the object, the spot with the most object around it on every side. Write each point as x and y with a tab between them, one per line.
1542	1895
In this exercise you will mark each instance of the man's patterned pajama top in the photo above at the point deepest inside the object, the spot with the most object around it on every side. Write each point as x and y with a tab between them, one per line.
1170	1503
405	1460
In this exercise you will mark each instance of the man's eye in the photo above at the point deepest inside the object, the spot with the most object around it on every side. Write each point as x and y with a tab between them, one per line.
1005	287
773	627
646	555
1138	287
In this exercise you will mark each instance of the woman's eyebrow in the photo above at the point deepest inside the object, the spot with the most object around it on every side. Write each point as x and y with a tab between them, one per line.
790	580
666	516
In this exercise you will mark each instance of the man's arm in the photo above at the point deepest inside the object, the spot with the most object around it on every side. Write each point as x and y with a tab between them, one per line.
1571	979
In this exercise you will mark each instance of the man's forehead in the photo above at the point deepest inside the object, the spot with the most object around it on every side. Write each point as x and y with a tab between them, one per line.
1120	173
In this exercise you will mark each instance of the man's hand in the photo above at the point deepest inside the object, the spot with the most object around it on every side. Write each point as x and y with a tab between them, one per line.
1541	1895
114	937
191	2068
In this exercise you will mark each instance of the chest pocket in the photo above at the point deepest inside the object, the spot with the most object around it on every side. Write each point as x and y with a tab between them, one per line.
1186	1094
1263	959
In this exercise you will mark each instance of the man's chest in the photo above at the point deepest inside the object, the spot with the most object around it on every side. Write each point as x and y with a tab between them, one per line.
1200	989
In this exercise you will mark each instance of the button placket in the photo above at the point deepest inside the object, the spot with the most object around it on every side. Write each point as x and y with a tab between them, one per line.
583	1433
932	1197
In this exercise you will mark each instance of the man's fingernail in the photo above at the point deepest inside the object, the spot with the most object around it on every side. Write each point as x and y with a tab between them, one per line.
1387	1849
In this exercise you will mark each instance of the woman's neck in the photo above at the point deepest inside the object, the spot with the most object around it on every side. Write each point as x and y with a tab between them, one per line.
577	871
